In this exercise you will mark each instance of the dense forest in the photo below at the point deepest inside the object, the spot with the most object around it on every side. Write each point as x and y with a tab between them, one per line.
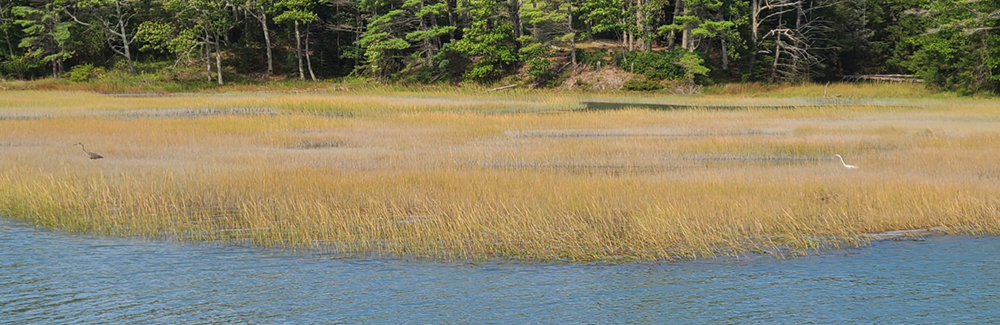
949	44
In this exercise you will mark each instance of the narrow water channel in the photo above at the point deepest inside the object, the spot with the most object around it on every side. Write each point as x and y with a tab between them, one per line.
54	277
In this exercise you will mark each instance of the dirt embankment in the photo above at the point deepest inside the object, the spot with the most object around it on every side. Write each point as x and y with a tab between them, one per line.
607	78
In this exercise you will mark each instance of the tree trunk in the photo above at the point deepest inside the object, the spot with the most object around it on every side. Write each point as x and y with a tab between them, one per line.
774	66
798	29
357	36
514	12
298	51
722	39
435	43
520	22
572	40
55	69
125	40
208	55
725	52
267	41
755	42
10	45
465	13
535	32
678	11
684	38
451	17
218	60
798	15
309	61
650	30
638	22
426	42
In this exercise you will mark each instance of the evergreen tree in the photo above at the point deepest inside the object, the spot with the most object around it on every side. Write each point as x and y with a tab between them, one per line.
489	41
47	34
961	50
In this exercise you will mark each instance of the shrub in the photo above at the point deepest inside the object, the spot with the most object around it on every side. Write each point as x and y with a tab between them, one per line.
589	58
81	72
661	65
19	65
642	85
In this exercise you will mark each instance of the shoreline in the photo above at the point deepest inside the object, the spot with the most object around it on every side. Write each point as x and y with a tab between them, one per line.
775	253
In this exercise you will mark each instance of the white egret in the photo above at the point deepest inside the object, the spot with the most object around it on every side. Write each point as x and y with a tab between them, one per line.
845	164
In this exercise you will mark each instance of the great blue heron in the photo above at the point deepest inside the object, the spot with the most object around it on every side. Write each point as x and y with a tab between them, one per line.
91	155
845	164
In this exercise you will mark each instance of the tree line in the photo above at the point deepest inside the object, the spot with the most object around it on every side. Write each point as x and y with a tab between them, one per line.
950	44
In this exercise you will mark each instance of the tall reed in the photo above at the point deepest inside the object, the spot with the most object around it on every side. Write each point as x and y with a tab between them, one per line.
461	177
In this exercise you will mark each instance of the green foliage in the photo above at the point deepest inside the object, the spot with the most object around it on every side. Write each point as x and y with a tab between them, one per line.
661	65
19	65
109	20
952	44
449	63
383	43
542	70
536	59
489	41
606	15
427	33
874	36
296	11
403	38
692	65
200	27
891	29
81	72
642	84
961	51
590	58
194	22
157	35
46	35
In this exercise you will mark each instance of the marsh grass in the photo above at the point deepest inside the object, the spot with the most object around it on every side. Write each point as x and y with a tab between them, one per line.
514	176
833	90
43	104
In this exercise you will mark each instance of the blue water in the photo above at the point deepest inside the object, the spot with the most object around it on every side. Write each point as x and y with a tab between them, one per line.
54	277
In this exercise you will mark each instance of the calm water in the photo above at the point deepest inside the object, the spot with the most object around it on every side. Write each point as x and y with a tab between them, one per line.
54	277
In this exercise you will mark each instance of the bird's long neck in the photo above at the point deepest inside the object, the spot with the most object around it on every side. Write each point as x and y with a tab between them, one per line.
84	148
842	161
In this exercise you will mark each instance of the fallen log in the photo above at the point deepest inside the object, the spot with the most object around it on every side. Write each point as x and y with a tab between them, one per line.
502	88
886	77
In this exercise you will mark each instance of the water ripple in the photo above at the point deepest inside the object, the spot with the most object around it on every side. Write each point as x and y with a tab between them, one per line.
54	277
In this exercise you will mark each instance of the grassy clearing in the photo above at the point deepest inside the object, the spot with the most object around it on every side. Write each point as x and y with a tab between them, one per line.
516	175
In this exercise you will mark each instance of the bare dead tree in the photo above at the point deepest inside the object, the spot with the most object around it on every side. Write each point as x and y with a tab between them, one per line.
762	11
794	50
113	20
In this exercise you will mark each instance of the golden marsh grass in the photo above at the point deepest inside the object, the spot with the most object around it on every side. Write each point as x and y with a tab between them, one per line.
524	175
